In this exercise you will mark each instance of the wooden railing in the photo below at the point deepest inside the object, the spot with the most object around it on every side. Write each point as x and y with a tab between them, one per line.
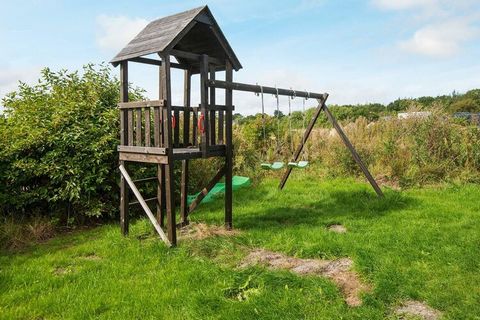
145	131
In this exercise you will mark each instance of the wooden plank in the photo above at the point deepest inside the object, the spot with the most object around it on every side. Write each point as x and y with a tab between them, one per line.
184	193
195	56
156	127
124	216
146	200
157	62
143	157
130	127
144	206
306	135
138	127
168	143
148	130
141	104
195	128
220	173
229	148
161	208
212	120
147	150
145	180
187	88
258	89
352	150
204	129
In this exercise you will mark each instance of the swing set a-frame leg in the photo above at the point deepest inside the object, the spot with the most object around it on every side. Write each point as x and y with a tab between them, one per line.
343	136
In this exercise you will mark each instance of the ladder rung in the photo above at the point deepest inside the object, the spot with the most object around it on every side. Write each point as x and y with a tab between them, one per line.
146	200
145	179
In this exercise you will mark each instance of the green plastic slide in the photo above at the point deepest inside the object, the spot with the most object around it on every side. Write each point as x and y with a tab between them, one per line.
238	182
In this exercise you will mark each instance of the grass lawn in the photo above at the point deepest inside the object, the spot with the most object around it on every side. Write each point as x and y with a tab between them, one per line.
421	244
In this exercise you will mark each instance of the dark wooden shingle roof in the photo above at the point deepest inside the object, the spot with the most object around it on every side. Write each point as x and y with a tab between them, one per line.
194	31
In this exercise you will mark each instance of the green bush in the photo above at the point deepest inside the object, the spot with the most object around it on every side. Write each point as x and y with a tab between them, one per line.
58	144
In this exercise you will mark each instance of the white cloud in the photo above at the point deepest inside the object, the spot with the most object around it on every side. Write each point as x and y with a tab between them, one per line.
442	39
114	32
404	4
9	78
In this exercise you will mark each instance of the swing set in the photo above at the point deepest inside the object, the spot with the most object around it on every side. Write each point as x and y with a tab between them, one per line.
278	165
159	133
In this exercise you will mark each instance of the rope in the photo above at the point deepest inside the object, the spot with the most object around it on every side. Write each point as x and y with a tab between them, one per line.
278	121
290	125
303	127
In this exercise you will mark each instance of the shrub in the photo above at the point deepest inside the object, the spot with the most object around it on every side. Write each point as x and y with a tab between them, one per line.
57	144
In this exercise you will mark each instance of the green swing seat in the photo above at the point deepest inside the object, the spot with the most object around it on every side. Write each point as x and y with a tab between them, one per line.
298	165
273	166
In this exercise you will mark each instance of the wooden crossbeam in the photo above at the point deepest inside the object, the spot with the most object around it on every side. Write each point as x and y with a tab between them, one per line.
144	205
220	173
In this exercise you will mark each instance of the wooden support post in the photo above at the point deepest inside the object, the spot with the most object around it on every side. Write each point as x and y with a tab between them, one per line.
186	125
123	141
306	135
186	103
228	147
352	150
158	141
212	120
204	129
168	143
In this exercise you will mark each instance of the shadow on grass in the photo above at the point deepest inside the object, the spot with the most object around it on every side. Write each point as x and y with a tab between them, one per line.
332	207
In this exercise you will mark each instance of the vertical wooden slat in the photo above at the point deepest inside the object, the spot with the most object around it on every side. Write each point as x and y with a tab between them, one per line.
156	126
203	104
228	148
221	124
184	193
123	141
186	103
138	127
130	127
148	141
168	143
186	131
195	128
212	120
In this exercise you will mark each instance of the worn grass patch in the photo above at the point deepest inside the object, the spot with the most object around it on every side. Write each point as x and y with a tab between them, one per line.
419	245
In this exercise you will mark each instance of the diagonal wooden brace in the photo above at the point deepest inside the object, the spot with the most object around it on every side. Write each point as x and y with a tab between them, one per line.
306	134
352	150
144	205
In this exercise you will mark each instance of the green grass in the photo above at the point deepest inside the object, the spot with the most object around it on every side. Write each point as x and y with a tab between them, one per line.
419	244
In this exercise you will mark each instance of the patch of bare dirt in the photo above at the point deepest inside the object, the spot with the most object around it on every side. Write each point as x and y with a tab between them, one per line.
337	228
339	271
199	231
60	271
418	310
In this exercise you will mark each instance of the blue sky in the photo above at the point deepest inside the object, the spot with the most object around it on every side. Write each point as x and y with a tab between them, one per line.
358	51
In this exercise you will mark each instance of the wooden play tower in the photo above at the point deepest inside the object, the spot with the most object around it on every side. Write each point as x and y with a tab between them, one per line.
159	132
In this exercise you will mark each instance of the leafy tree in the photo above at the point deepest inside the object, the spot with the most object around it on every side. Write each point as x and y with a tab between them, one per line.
58	144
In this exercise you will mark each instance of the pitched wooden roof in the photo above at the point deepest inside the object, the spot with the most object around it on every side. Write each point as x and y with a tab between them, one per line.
194	31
